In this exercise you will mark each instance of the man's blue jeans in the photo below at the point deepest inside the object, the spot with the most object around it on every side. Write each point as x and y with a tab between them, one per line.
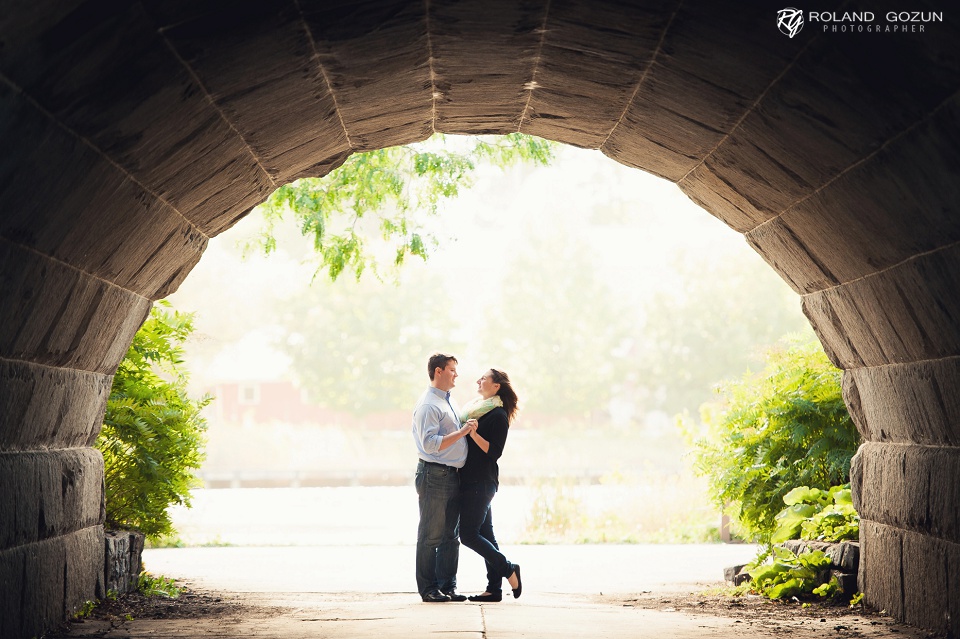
438	549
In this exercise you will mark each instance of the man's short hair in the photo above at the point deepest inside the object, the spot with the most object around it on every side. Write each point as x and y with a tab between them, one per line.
438	360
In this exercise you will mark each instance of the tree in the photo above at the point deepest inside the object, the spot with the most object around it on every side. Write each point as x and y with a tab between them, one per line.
362	346
558	327
713	325
390	192
774	431
153	434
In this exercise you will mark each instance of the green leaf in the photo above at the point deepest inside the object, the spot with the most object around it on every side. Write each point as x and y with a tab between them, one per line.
401	186
803	495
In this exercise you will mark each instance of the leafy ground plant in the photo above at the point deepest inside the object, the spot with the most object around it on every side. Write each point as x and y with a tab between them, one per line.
789	575
159	586
817	515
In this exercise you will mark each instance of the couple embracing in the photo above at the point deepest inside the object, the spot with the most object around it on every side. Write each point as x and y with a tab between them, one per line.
457	478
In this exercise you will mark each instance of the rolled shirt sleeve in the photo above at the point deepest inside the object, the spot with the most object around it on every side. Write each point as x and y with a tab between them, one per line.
426	424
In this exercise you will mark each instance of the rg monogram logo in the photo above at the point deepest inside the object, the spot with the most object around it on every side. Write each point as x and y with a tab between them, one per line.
790	21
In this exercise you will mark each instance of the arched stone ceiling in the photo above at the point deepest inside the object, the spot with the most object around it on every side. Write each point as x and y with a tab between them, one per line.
135	131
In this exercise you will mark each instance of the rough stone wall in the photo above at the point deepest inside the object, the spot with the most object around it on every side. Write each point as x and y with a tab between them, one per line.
133	132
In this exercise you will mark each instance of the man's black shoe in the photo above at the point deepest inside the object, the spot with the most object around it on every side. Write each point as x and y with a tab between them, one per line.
434	597
454	595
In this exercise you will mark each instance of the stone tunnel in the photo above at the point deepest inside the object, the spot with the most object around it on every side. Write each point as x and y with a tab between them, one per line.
132	132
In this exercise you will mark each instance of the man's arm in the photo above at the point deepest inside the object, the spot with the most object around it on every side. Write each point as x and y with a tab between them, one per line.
449	440
427	419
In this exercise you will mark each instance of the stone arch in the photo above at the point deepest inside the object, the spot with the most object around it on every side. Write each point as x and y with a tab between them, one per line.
133	132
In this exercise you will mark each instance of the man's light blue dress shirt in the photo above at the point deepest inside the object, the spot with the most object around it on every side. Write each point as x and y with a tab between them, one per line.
434	417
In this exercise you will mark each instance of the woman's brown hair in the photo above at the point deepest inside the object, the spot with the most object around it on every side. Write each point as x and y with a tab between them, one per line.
506	393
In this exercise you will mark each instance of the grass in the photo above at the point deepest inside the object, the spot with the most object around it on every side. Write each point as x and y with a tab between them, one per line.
647	507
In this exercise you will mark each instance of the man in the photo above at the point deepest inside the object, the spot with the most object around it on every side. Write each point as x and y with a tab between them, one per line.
442	451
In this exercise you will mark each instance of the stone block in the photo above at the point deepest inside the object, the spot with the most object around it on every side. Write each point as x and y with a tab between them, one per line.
863	221
42	583
708	189
912	487
928	601
11	591
473	69
881	560
913	402
267	82
846	556
788	257
142	109
553	105
54	315
638	152
904	314
83	573
123	552
48	494
405	75
46	407
97	218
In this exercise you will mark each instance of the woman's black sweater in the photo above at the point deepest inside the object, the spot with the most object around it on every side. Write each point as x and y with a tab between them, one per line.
481	466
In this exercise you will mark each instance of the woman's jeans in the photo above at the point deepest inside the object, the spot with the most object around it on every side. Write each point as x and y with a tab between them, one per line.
476	531
438	551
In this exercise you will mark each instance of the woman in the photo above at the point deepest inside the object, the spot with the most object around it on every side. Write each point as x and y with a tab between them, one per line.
493	411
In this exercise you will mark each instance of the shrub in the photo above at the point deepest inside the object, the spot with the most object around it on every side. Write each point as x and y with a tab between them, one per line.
784	427
153	434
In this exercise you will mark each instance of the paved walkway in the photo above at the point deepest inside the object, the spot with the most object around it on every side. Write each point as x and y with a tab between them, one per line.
366	592
577	569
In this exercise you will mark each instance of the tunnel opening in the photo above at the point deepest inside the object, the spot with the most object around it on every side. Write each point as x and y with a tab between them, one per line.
134	133
585	243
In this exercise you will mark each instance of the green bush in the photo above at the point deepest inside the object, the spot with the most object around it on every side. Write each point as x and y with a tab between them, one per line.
153	434
784	427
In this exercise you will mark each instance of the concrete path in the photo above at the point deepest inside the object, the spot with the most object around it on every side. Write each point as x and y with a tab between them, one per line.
577	569
365	592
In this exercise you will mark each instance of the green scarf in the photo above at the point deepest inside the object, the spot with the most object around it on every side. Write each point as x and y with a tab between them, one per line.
478	407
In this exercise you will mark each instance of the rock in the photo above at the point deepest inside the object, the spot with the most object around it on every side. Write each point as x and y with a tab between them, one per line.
848	581
734	575
122	560
845	556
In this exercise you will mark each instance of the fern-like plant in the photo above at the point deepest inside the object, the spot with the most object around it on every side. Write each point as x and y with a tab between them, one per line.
153	434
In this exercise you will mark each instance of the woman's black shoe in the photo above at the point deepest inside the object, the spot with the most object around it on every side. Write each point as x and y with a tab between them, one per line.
519	588
486	597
